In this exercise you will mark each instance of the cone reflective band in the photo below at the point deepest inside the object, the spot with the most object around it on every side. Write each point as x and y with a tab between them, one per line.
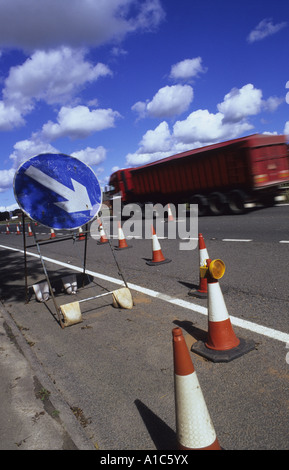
194	427
221	335
201	291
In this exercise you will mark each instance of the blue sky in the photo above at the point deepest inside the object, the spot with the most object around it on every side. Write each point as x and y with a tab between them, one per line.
119	83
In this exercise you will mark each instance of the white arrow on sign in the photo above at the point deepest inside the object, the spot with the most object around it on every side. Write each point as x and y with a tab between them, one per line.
77	200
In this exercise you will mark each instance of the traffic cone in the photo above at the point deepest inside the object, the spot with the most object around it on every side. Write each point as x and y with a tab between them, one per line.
17	230
194	428
30	234
52	233
7	229
81	235
202	291
121	239
222	344
158	257
103	237
170	214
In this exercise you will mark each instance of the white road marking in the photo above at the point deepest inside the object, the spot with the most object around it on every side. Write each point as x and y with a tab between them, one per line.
236	240
247	325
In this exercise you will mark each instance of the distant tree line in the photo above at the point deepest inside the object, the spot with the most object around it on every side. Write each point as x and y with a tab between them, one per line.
6	215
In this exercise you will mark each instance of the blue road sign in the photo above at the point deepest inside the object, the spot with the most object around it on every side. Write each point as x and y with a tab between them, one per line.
58	191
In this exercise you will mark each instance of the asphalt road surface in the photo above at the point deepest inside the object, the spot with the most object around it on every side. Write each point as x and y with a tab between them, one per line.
116	366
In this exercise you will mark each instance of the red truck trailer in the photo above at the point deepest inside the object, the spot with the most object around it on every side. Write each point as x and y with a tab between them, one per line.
219	178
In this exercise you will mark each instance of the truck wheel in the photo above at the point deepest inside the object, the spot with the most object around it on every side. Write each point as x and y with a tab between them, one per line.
202	203
236	201
217	203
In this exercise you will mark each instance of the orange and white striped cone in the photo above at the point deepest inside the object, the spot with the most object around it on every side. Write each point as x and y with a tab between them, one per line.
18	230
158	257
170	214
103	238
122	243
222	345
194	427
81	235
52	233
7	229
30	234
202	291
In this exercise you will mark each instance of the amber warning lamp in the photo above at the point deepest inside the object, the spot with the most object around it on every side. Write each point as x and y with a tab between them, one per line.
215	269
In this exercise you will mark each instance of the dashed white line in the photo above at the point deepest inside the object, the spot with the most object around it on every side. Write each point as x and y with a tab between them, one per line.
236	240
248	325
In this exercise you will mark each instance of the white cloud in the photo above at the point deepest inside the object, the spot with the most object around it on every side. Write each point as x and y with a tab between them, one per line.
155	144
79	122
168	101
272	103
200	128
10	117
49	23
204	127
286	129
187	69
6	179
54	77
140	108
91	156
115	168
240	103
138	158
157	140
246	101
28	148
265	28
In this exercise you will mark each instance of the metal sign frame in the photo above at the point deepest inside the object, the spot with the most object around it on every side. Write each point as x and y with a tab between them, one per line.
37	244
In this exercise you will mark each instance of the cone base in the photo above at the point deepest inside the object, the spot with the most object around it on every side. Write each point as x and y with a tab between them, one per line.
198	294
244	347
214	446
156	263
102	243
